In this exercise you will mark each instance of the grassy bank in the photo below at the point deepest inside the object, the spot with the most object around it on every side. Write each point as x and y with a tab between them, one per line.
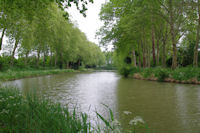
187	75
13	74
27	113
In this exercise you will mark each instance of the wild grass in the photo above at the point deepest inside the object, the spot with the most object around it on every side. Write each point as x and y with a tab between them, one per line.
28	113
179	74
31	114
13	74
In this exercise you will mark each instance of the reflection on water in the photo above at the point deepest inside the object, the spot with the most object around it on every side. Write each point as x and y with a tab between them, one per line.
166	107
87	91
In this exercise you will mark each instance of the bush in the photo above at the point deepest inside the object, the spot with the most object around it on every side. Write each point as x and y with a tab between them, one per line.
125	71
136	70
5	62
162	74
185	73
147	72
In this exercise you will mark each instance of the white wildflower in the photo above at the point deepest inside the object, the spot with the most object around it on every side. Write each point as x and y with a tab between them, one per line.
136	120
4	111
116	123
11	97
127	112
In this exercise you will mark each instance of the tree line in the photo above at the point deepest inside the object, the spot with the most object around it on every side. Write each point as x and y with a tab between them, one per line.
149	33
40	33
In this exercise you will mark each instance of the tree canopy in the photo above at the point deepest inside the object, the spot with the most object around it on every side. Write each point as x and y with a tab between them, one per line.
152	32
43	35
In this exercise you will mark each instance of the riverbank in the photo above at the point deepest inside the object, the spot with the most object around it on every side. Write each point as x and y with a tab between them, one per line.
13	74
29	113
188	75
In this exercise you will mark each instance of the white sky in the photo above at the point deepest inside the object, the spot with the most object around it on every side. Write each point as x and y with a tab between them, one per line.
91	23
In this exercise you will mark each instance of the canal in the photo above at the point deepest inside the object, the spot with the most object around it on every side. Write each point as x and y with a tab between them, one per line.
165	107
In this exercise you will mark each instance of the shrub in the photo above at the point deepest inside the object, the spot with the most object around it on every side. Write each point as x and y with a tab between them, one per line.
147	72
125	71
135	70
162	74
5	62
185	73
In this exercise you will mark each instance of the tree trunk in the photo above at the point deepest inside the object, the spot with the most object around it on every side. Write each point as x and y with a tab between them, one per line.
55	63
144	49
153	47
134	59
144	56
149	57
174	58
38	58
1	39
26	58
13	52
79	63
44	59
67	65
195	60
164	54
139	56
158	53
61	61
51	58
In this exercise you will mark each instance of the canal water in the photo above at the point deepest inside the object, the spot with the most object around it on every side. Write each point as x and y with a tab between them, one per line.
165	107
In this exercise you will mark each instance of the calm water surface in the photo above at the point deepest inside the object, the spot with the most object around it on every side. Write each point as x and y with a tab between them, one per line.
166	107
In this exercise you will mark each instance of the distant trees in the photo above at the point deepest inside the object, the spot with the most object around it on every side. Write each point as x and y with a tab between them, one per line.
151	32
43	35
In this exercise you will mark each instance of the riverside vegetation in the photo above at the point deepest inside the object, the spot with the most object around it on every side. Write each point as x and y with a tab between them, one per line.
12	74
28	113
40	34
157	39
186	75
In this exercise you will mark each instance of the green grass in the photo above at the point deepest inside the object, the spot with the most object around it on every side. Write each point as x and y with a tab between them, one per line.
17	74
179	74
28	113
31	114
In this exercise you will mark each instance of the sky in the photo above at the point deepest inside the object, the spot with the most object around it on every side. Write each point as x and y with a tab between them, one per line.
91	23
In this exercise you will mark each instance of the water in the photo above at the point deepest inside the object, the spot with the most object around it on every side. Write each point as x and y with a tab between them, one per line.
165	107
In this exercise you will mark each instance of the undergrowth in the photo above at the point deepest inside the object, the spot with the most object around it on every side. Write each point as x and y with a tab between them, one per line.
180	74
16	74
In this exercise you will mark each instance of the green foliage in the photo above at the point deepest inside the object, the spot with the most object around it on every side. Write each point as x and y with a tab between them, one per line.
147	72
146	31
180	74
185	73
136	70
31	114
126	71
41	29
161	74
16	73
4	62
